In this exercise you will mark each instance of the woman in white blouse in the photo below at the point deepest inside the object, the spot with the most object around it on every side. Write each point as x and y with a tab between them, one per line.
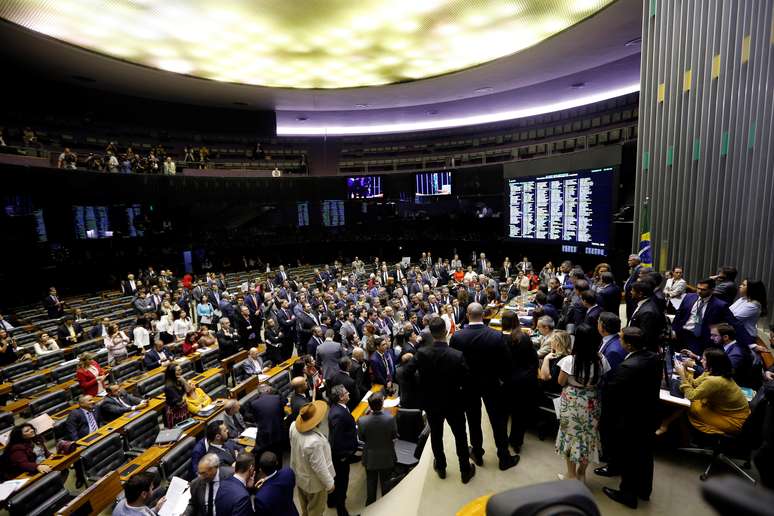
46	344
116	342
674	289
141	334
182	325
750	305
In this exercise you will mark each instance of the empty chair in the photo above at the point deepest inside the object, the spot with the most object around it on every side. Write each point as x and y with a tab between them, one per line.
101	357
239	372
141	433
210	358
214	386
123	371
187	367
151	386
51	358
89	345
49	403
16	370
64	372
100	458
244	407
29	385
43	497
6	421
281	383
177	461
410	424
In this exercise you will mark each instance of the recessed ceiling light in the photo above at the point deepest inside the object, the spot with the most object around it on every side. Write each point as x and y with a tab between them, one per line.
485	89
432	112
302	118
577	85
362	105
235	41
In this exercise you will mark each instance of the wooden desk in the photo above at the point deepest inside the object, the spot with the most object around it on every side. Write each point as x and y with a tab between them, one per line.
5	388
97	497
228	363
363	405
118	424
153	455
22	403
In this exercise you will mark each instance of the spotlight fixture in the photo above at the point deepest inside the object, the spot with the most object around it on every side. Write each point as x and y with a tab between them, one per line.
302	118
485	89
578	85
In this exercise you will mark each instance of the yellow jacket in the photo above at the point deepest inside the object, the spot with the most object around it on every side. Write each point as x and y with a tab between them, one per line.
197	400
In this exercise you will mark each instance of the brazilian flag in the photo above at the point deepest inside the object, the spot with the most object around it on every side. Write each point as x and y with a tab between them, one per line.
645	254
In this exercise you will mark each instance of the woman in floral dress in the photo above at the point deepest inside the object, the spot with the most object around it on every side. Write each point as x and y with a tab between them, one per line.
578	437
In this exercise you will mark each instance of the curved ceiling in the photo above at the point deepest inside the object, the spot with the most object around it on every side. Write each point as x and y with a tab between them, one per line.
303	44
593	59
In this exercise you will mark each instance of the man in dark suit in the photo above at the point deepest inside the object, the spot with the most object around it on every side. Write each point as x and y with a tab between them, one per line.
287	323
343	377
726	288
300	396
233	497
378	432
407	383
698	312
214	441
268	411
99	330
204	488
589	300
54	307
233	419
253	302
383	363
281	276
632	392
247	327
359	371
275	487
70	332
83	420
741	358
646	315
609	294
634	269
117	403
608	325
555	294
129	286
443	376
541	301
342	434
306	320
489	360
157	356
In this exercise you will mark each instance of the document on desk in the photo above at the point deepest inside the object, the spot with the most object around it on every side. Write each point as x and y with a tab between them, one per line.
250	433
263	377
178	495
391	402
8	487
42	424
665	395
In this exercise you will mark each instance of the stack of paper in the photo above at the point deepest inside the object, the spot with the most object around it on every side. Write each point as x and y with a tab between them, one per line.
178	495
250	433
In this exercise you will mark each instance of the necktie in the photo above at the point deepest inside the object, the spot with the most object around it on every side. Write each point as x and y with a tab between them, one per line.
210	498
699	317
91	421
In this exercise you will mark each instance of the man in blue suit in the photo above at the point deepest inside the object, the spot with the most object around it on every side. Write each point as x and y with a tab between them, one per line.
233	497
342	434
383	364
698	313
609	294
275	487
634	267
608	326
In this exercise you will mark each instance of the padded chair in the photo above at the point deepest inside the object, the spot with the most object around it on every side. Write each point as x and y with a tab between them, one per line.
239	372
6	421
89	345
410	424
43	497
141	433
29	385
244	407
51	358
125	370
102	457
187	367
16	370
559	497
281	383
64	372
49	403
151	386
721	448
177	461
101	357
210	358
215	387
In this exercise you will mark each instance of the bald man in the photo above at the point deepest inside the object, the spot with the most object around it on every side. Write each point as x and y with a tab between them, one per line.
300	396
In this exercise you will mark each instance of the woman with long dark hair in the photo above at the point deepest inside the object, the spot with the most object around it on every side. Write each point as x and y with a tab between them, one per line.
523	381
175	409
751	305
578	437
24	452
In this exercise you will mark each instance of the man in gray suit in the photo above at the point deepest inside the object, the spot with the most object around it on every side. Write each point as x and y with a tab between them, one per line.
328	355
234	421
205	486
378	431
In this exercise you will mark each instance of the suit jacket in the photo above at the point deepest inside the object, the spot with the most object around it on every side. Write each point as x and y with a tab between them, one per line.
296	402
349	383
252	367
328	355
248	329
409	389
741	360
442	376
380	373
609	298
650	319
197	505
614	353
305	324
269	412
342	432
152	359
592	315
487	356
235	424
276	494
76	424
64	334
631	394
715	312
378	431
555	298
96	331
199	450
228	344
111	408
233	499
52	308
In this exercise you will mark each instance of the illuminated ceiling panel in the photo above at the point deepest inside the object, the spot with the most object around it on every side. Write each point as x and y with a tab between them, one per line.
302	43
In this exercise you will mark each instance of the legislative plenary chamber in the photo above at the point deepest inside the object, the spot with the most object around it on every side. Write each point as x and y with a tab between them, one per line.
386	257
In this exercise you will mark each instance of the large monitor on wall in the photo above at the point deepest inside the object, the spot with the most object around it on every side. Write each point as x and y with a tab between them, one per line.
364	187
569	208
332	213
433	183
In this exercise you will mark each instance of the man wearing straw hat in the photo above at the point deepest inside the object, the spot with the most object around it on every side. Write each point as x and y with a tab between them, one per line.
310	458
